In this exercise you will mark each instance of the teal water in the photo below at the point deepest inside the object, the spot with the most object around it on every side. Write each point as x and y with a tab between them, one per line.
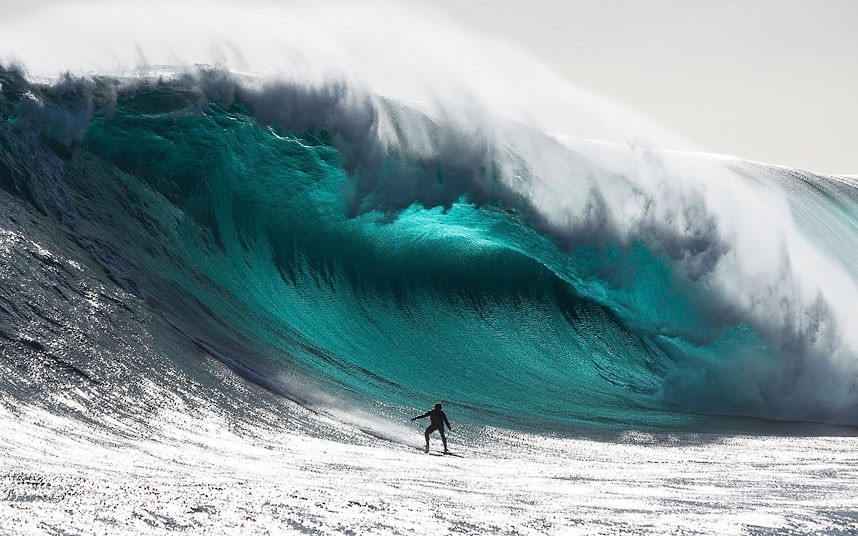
288	238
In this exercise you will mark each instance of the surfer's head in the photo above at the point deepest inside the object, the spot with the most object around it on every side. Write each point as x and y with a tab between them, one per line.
437	405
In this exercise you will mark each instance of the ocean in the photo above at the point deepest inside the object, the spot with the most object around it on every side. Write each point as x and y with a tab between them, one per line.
223	297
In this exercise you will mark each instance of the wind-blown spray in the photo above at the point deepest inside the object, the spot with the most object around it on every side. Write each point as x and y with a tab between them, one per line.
336	227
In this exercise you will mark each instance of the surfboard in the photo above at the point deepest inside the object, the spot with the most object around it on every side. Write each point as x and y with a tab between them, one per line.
438	452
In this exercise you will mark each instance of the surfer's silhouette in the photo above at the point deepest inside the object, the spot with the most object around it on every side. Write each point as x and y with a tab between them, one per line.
437	419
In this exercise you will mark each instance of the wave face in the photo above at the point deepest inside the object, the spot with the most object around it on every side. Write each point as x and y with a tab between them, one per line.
329	242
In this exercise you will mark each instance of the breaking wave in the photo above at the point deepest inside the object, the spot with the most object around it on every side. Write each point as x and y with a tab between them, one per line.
324	240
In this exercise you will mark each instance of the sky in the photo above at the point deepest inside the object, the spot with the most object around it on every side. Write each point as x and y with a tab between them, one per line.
769	80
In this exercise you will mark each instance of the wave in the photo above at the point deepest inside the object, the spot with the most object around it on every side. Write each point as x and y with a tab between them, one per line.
324	239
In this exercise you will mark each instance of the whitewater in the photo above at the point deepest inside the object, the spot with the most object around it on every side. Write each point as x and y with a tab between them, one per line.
241	248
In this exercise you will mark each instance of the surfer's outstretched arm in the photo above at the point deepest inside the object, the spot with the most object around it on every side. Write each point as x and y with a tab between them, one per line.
421	416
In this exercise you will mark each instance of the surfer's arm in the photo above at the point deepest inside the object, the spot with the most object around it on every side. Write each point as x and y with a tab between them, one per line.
448	423
420	416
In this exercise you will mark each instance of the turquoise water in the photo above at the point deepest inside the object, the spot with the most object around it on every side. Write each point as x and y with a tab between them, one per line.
290	239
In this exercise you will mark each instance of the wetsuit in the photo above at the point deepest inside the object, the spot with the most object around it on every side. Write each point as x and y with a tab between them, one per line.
437	420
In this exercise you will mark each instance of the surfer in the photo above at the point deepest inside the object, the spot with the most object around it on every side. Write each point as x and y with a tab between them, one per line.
437	419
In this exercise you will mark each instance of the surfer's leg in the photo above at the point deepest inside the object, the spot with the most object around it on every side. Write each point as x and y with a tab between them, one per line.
426	434
443	438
